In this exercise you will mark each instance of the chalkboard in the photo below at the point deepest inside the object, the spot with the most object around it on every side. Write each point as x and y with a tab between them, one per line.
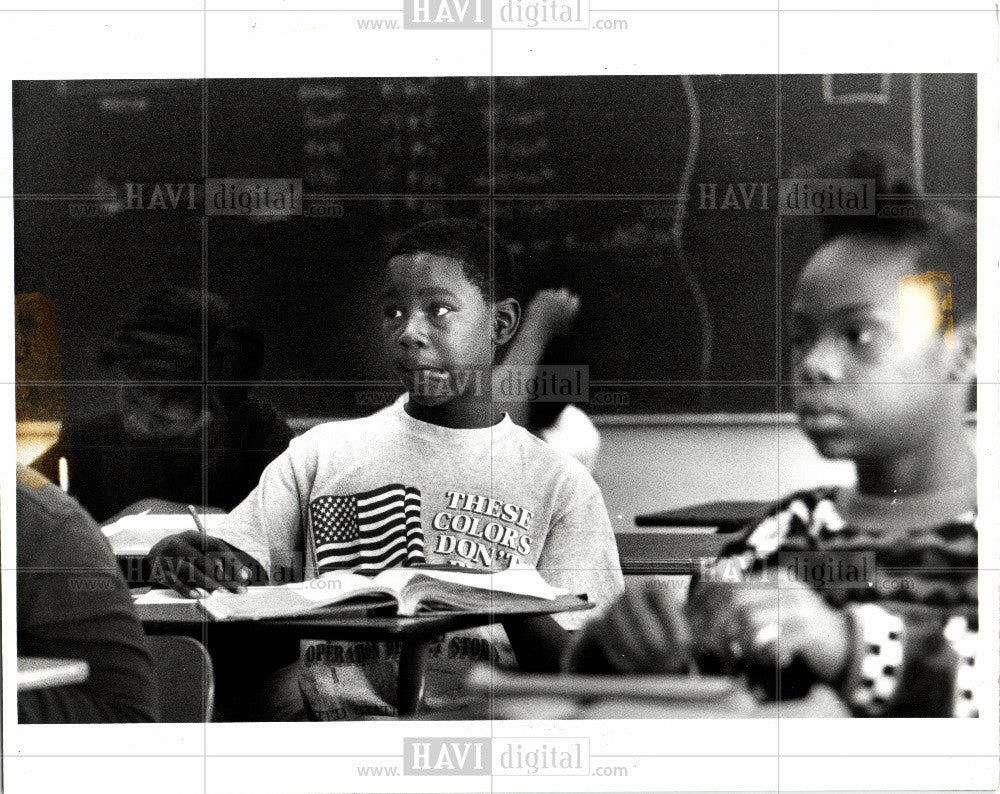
653	197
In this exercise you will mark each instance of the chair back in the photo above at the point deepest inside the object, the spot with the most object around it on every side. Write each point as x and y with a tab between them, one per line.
184	678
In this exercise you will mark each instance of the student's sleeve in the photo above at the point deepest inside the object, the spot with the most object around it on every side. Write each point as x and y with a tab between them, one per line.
904	665
73	603
580	555
268	524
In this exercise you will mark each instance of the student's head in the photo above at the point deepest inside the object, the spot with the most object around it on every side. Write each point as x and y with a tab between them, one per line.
881	363
449	303
161	357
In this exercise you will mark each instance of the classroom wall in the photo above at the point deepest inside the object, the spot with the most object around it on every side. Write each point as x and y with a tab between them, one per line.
643	468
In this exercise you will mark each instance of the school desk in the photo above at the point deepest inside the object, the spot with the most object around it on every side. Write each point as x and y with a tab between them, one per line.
344	622
724	516
36	672
672	553
498	694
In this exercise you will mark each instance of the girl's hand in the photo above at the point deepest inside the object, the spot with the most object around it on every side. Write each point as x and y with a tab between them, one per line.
770	623
643	631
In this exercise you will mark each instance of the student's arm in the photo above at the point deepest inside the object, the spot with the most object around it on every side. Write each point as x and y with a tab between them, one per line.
550	313
581	556
73	603
538	643
261	540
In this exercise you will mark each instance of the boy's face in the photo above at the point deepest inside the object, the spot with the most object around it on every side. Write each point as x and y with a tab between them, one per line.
437	328
873	374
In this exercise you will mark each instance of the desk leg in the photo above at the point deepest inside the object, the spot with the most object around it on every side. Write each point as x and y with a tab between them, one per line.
412	670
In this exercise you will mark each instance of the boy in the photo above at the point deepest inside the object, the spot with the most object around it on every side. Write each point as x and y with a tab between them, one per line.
882	365
443	479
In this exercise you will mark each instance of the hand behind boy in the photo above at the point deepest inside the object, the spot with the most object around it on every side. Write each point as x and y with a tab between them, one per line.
647	631
644	631
769	624
189	560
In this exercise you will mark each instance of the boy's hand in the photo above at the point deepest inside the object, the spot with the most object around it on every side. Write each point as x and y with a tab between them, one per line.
190	560
643	631
771	624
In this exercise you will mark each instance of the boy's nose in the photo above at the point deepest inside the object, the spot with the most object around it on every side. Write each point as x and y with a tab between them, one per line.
820	364
412	333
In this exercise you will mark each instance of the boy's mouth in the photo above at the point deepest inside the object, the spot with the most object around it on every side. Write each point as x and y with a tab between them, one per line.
418	372
818	419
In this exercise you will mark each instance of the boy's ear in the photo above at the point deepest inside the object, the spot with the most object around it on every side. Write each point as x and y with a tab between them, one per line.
963	352
506	319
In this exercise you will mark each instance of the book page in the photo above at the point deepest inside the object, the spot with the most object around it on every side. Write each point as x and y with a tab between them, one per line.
519	581
295	598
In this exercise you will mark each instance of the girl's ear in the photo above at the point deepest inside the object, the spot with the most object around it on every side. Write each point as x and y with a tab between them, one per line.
506	319
963	352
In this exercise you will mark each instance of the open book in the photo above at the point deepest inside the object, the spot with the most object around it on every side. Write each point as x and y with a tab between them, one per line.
413	590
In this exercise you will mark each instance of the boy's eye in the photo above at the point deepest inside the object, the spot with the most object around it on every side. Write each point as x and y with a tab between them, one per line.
439	310
391	312
860	336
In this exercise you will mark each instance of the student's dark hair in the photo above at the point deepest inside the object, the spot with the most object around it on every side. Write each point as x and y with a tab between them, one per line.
162	340
945	238
467	241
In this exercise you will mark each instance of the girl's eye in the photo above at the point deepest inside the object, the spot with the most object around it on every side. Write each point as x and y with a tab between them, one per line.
391	312
439	310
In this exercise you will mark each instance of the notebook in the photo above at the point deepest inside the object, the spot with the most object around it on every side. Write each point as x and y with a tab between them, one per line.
135	535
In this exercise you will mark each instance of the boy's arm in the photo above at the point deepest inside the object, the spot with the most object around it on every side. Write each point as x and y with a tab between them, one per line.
538	643
581	556
261	536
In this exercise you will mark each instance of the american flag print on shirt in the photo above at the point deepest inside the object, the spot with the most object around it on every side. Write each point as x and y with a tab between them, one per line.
374	529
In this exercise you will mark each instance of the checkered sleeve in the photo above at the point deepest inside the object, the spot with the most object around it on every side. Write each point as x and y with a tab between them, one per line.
964	642
872	682
914	666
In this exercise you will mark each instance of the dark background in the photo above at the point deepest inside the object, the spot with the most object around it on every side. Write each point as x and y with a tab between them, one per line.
578	162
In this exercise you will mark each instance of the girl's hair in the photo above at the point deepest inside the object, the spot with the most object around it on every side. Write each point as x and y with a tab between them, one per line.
162	339
945	238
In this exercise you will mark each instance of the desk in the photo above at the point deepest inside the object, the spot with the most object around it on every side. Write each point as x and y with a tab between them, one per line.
725	516
672	553
346	622
499	694
35	672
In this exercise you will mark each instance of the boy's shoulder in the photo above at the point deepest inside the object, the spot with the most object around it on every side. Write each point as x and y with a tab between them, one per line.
381	422
540	458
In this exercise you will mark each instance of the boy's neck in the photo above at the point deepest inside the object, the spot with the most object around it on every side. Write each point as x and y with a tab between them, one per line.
947	461
457	414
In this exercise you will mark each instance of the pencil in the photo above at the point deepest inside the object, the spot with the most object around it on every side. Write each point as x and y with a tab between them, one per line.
197	521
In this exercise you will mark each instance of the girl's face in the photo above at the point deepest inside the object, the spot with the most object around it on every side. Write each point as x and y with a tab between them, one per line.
162	413
873	372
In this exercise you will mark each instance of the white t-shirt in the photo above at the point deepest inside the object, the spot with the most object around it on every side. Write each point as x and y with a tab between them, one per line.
372	492
574	434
